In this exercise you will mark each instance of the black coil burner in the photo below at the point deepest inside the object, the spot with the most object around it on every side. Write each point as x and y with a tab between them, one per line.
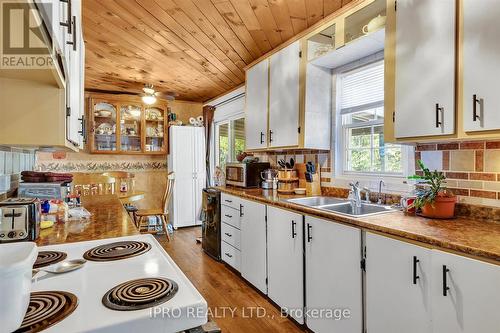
117	251
47	308
140	294
46	258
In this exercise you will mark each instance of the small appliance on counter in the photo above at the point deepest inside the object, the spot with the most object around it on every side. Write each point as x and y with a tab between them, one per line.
19	219
268	177
245	174
45	191
211	223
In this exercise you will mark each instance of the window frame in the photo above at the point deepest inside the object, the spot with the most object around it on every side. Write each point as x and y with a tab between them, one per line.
341	131
230	136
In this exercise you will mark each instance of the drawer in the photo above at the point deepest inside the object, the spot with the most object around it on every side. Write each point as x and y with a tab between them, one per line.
230	216
231	235
230	201
231	255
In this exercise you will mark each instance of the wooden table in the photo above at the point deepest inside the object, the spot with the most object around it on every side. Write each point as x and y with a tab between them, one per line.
129	197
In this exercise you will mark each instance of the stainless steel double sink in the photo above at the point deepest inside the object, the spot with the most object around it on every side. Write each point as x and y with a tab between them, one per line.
342	206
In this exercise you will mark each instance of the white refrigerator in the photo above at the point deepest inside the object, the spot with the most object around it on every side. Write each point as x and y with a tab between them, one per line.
187	159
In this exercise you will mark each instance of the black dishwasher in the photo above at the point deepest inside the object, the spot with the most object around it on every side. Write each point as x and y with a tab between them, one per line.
211	225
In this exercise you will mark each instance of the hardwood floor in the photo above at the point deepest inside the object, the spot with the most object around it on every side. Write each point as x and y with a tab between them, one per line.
224	289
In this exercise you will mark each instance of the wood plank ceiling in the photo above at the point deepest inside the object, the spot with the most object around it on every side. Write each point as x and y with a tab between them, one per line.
195	48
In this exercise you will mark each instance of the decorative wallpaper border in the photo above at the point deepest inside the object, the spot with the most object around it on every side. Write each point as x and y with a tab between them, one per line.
86	166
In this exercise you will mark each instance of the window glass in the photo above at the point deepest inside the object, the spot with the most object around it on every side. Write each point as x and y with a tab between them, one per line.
230	141
238	130
223	145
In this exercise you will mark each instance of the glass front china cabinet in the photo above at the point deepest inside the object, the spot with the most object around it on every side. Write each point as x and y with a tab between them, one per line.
125	125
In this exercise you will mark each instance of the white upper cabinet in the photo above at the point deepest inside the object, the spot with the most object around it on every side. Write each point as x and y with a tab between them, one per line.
481	65
465	294
333	275
425	68
284	97
257	98
397	286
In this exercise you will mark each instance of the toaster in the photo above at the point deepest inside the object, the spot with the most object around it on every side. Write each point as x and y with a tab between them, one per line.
19	219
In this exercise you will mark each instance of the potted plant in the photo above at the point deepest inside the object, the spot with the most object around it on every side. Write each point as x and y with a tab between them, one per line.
433	199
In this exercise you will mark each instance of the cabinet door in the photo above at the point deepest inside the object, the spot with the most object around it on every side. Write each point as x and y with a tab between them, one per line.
285	260
253	244
481	64
199	170
398	281
256	110
333	275
284	97
425	68
472	301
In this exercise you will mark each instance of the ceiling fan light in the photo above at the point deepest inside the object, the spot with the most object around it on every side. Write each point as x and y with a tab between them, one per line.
149	99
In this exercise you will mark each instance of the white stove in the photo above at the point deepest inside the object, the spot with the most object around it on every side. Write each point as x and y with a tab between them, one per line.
184	310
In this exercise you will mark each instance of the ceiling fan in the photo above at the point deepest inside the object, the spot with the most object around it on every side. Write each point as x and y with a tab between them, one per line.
149	95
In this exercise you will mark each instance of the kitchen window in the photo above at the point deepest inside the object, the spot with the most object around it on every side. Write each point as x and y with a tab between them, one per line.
360	101
230	136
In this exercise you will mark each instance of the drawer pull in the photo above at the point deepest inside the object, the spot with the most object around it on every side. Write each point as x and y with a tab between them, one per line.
228	216
228	234
228	255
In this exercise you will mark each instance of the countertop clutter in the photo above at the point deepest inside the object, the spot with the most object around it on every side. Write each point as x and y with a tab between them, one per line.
467	236
108	219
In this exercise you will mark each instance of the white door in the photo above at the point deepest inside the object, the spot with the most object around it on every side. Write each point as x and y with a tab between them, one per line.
182	158
398	278
253	244
256	110
481	64
285	260
471	303
200	172
284	97
333	275
425	68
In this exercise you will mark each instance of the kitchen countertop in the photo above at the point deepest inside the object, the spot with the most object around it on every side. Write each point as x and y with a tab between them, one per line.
109	219
477	238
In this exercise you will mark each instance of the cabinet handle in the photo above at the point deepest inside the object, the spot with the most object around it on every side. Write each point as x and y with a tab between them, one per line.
229	201
67	24
475	102
438	109
227	215
73	42
415	275
228	255
83	132
261	137
270	136
241	210
309	237
445	283
293	229
228	234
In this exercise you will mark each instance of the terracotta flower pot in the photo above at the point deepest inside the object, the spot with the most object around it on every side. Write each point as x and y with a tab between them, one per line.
442	208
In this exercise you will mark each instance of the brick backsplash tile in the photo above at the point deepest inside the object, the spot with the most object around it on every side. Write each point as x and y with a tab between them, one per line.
462	160
479	160
492	160
423	147
457	175
460	191
483	176
483	194
446	160
447	146
492	144
472	145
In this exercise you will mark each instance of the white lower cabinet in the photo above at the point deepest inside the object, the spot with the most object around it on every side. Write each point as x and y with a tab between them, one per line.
333	277
286	261
398	278
465	294
230	255
254	244
414	289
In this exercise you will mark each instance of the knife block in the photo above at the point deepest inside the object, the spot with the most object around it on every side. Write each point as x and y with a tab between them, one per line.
314	188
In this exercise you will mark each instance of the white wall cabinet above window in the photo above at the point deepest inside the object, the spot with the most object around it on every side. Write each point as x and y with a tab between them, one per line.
481	65
257	97
425	68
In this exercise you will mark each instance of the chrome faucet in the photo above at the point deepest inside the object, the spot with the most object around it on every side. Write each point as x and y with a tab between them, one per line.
367	194
380	184
356	199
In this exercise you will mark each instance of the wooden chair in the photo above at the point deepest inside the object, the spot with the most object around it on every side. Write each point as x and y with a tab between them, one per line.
162	214
122	177
87	184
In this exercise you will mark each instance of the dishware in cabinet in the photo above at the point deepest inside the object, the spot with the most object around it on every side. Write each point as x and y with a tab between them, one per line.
103	126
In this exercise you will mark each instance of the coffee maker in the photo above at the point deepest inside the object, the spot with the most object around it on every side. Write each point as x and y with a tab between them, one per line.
268	176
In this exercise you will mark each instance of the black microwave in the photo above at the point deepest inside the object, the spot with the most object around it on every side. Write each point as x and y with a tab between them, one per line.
245	174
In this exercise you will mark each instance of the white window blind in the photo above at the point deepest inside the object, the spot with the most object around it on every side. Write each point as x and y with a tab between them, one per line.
362	88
